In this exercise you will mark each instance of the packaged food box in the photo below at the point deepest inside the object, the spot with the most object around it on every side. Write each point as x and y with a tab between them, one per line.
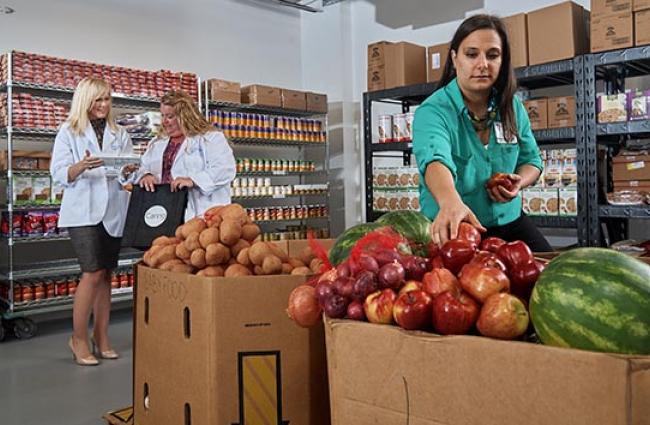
611	108
42	189
32	224
534	201
568	201
637	104
550	201
569	175
23	192
50	220
17	219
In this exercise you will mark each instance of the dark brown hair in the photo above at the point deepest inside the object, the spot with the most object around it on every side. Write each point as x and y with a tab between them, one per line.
505	84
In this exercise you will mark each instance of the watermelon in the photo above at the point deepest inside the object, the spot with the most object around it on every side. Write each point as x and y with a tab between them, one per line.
344	243
594	299
413	225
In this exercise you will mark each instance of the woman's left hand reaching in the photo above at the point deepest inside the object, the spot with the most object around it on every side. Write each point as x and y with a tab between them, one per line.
181	182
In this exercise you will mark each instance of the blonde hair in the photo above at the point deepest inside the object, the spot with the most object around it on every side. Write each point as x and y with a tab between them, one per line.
190	119
88	90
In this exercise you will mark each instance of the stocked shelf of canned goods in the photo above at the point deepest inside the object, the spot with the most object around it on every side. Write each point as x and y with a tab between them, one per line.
259	109
64	303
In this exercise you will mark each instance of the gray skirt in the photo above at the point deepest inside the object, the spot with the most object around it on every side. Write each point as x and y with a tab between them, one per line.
95	248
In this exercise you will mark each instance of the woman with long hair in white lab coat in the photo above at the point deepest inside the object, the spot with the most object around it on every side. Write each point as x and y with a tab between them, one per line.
190	154
93	209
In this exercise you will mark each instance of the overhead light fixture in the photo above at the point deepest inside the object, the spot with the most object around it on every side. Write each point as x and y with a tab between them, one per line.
306	5
6	10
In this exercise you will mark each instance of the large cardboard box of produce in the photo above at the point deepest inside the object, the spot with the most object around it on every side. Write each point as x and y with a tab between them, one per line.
396	65
561	111
568	38
436	59
641	5
223	351
383	375
610	32
261	95
317	102
537	113
224	91
607	7
642	28
518	37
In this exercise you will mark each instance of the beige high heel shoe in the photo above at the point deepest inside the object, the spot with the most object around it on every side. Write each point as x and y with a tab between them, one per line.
90	360
108	354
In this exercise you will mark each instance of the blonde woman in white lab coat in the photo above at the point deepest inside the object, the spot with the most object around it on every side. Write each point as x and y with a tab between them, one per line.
190	154
93	209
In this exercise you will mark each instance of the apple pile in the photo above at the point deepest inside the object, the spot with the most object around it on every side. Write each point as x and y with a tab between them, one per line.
465	284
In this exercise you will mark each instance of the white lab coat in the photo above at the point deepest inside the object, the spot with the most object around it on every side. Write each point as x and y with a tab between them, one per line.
93	197
207	159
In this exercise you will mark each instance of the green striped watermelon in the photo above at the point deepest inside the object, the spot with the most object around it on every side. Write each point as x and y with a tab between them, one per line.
413	225
344	243
594	299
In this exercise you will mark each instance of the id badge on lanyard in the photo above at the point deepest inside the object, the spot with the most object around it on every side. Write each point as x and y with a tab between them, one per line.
500	135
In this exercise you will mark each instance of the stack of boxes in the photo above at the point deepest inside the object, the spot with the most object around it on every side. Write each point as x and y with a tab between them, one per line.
396	188
552	112
555	193
631	171
395	65
618	24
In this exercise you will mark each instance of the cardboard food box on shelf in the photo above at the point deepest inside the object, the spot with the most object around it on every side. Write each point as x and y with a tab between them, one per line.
568	38
423	378
642	28
611	32
537	113
42	189
611	107
518	37
568	201
403	64
377	53
316	102
223	351
631	167
257	94
294	99
436	58
641	5
23	192
561	111
637	104
608	7
224	91
550	201
26	160
376	78
642	185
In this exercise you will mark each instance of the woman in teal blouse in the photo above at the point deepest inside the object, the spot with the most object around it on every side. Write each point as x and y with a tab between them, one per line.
471	128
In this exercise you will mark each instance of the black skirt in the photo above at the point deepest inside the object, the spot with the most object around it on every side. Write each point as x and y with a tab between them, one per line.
95	248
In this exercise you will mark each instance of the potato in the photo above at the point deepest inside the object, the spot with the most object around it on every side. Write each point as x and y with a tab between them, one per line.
216	254
179	232
278	252
166	253
236	248
287	268
212	216
296	263
243	258
182	268
211	271
306	255
208	236
250	232
182	252
258	270
315	265
149	254
198	258
196	224
302	271
257	252
272	265
164	240
236	270
229	232
234	212
192	241
167	265
232	261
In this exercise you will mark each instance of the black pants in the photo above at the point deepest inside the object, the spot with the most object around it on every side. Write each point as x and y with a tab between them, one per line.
522	229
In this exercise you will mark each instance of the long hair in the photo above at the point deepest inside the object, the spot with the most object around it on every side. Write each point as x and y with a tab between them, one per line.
88	90
505	84
191	121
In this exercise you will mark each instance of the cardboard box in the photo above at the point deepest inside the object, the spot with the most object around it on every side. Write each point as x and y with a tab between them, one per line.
316	102
569	36
640	5
436	59
518	37
642	185
637	104
631	167
642	28
607	7
401	64
224	91
611	107
611	32
294	99
421	378
26	160
377	53
223	351
561	112
261	95
376	78
534	201
537	113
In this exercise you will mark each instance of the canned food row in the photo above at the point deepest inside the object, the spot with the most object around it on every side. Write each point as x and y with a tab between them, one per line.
273	133
264	190
225	118
396	127
295	234
267	165
286	212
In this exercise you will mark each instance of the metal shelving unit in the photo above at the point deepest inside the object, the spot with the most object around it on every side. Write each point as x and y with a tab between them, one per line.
609	223
564	72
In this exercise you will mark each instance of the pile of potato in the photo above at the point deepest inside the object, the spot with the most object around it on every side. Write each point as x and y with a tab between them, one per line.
224	243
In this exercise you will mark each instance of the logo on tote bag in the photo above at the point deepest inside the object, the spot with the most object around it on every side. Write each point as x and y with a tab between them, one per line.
155	216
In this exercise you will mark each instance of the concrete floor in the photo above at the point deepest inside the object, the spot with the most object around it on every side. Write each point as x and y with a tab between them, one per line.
40	384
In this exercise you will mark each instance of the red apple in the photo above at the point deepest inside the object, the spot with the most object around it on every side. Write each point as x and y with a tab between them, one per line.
412	310
456	253
438	281
481	282
454	314
437	263
469	233
500	179
410	285
488	259
523	279
515	253
491	244
379	306
503	316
